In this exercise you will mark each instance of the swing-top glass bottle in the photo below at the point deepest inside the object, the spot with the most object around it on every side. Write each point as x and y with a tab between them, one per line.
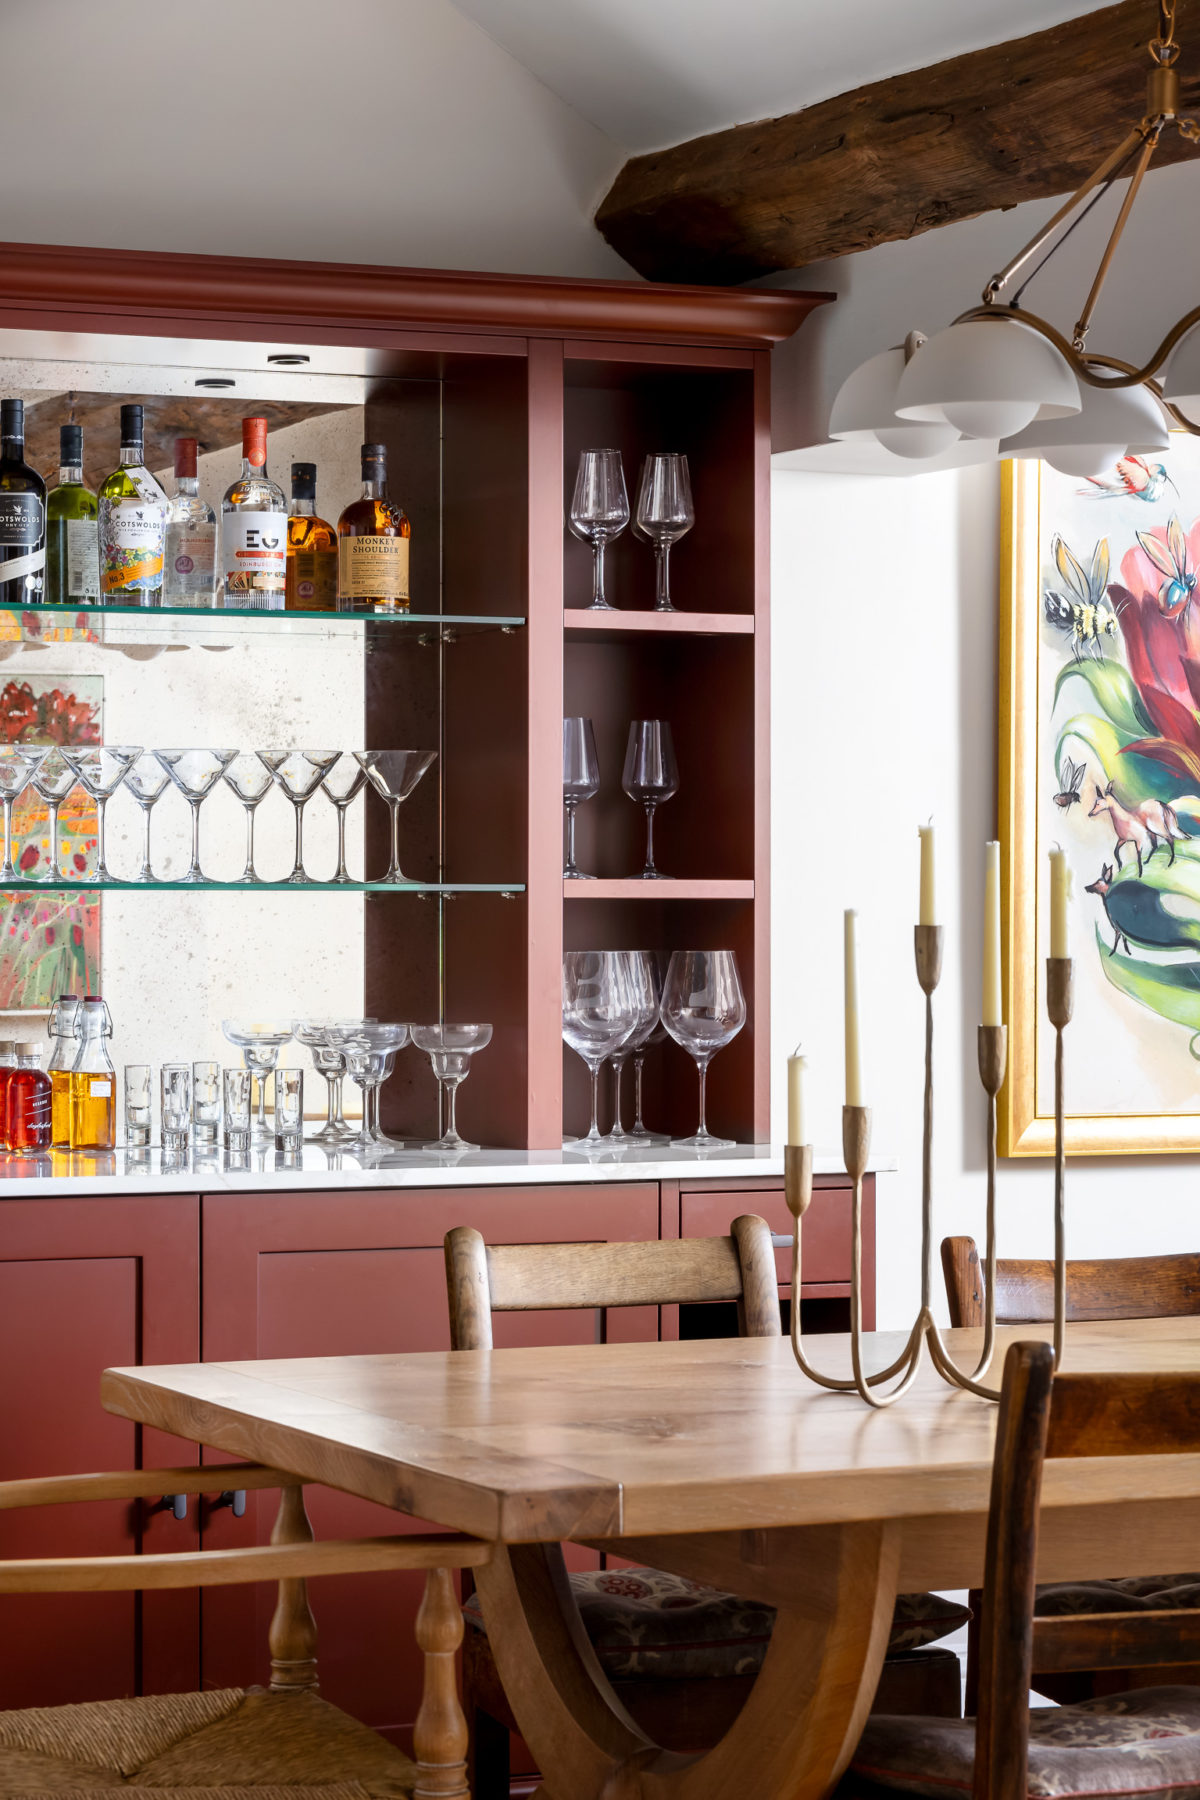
94	1081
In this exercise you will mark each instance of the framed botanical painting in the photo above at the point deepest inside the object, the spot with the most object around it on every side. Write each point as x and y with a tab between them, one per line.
1100	754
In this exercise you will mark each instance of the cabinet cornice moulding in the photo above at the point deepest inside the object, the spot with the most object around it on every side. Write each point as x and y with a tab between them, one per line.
189	291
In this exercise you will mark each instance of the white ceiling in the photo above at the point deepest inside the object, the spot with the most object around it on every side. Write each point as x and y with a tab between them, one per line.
651	72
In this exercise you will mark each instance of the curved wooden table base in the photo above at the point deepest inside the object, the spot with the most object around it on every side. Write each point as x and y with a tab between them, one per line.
795	1735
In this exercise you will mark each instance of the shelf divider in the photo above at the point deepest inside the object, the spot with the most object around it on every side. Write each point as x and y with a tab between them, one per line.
632	888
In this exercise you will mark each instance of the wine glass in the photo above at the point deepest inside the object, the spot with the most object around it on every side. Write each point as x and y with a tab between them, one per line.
195	773
394	774
450	1049
19	763
260	1042
599	512
651	775
647	979
146	780
250	779
323	1038
53	779
658	962
703	1008
581	780
664	514
600	1009
342	785
101	772
370	1050
299	773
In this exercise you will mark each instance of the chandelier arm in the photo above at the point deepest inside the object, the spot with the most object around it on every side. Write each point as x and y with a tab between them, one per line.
1084	366
1131	193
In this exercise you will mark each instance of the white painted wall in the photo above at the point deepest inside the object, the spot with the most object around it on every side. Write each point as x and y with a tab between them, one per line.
378	131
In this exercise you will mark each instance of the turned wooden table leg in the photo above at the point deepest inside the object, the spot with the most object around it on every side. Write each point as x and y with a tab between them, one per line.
293	1633
440	1732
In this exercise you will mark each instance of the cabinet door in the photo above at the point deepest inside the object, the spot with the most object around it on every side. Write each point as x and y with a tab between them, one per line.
84	1284
344	1274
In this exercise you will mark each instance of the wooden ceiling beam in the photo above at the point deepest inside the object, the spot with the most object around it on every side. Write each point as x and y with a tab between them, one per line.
1016	121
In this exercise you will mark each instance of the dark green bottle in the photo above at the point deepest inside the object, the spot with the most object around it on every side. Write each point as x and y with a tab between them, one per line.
22	514
72	544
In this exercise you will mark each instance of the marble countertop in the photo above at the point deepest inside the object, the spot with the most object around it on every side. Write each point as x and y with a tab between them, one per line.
215	1172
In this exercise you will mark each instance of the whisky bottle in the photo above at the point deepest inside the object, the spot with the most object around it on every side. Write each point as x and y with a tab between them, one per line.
133	524
93	1082
373	540
72	540
312	554
190	574
254	530
22	514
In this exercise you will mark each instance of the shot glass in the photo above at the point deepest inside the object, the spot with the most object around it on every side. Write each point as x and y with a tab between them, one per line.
137	1105
206	1104
237	1110
289	1110
176	1084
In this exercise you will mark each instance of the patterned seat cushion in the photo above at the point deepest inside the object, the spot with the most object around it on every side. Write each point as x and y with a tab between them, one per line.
1146	1741
1132	1593
645	1622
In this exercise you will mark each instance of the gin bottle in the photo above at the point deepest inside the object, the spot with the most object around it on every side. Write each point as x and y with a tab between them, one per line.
190	575
22	514
254	530
72	545
133	524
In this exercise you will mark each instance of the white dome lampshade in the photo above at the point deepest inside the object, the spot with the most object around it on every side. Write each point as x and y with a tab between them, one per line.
1181	382
1112	422
865	406
988	378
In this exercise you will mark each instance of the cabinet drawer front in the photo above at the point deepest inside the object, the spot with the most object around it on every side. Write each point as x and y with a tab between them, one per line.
826	1240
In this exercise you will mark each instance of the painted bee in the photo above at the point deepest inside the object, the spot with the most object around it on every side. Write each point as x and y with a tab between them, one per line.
1084	613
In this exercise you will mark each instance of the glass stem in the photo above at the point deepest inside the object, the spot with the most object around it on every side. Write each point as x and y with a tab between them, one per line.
650	868
702	1128
298	872
52	807
248	872
594	1131
395	873
662	586
342	874
8	861
638	1061
371	1111
331	1106
450	1135
261	1120
101	865
146	873
570	868
618	1071
598	599
195	806
336	1115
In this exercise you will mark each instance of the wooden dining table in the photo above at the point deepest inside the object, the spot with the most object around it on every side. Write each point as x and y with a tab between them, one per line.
718	1460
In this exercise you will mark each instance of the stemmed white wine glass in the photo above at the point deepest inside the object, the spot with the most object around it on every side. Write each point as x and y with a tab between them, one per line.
299	773
600	1008
659	962
394	774
101	772
450	1049
581	781
260	1042
599	512
195	773
703	1008
648	979
650	776
342	785
145	781
664	514
53	779
249	778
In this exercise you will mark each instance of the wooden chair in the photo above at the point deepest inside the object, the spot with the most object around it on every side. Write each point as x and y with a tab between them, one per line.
1145	1741
284	1738
688	1684
1130	1287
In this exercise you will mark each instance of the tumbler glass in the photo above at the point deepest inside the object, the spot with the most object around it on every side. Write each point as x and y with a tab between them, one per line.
237	1108
206	1103
137	1105
289	1109
176	1084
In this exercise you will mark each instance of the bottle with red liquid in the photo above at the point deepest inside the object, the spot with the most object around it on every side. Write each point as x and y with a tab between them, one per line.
8	1062
27	1111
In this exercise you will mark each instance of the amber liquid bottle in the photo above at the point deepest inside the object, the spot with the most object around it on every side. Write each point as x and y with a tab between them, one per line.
373	539
312	548
28	1109
94	1082
64	1029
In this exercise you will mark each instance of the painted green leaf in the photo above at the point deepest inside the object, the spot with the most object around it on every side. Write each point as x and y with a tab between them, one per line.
1095	734
1114	689
1172	990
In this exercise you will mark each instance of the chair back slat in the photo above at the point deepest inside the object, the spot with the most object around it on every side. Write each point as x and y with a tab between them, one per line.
1121	1287
1155	1414
1085	1641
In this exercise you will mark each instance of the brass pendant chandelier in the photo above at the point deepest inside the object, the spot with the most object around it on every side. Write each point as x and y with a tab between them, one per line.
1004	374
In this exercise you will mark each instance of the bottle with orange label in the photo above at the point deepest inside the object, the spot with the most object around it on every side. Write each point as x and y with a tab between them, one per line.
254	530
133	524
93	1081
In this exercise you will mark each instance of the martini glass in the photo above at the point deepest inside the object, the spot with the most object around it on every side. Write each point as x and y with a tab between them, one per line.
450	1049
195	773
53	780
370	1051
260	1041
323	1038
299	773
394	774
18	765
101	772
251	781
146	781
342	785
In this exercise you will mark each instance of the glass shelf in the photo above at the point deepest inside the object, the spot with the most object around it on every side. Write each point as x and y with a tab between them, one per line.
85	886
129	627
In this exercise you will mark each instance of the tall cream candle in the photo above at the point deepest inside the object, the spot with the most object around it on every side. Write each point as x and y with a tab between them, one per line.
1060	889
796	1068
853	1061
928	915
992	1010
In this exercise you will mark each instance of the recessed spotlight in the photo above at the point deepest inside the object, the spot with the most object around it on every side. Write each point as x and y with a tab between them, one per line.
288	359
214	381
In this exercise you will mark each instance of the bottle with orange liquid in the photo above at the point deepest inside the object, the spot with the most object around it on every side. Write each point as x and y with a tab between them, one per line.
93	1082
63	1027
27	1112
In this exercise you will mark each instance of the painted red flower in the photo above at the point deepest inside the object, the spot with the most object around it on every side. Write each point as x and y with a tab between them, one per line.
1164	658
28	859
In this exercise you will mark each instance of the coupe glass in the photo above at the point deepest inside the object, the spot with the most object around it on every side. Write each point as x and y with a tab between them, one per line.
703	1008
600	1010
260	1041
647	980
195	773
101	772
664	514
251	781
394	774
599	512
581	780
342	785
324	1039
299	773
450	1049
53	779
370	1051
145	781
651	775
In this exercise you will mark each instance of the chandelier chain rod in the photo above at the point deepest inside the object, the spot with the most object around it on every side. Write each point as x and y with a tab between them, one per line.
1130	147
1131	193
